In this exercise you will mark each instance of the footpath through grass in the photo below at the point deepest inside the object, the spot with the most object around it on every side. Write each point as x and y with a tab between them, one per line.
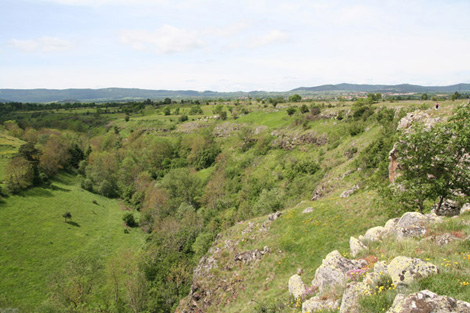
35	242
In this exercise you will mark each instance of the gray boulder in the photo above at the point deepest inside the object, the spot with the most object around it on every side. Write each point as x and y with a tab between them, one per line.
296	286
354	291
404	270
307	210
318	304
333	271
448	208
356	246
427	301
465	208
349	192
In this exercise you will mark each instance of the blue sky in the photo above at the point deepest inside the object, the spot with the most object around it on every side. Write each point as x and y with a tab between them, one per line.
232	45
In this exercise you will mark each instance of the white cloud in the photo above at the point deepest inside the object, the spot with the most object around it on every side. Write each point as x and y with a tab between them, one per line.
166	39
254	42
43	44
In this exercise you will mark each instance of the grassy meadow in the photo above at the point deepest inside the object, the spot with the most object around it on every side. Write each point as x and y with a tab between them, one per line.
36	242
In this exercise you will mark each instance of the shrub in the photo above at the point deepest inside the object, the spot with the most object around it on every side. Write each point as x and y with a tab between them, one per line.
304	109
87	184
129	219
291	110
355	129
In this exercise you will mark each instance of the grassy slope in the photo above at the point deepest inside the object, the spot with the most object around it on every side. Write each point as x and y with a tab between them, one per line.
8	147
35	241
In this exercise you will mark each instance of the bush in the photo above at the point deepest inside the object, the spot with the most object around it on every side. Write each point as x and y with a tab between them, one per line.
304	109
291	110
183	118
87	184
355	129
129	219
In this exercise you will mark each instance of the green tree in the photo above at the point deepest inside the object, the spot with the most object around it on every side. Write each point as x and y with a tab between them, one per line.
291	110
166	110
435	163
424	96
295	98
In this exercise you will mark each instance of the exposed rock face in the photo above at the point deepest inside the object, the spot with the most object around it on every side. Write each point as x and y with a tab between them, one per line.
317	304
307	210
288	141
465	208
319	193
381	268
349	192
351	296
296	286
448	208
393	165
412	224
356	246
443	240
332	272
412	219
427	302
404	126
404	270
373	234
249	256
391	225
274	216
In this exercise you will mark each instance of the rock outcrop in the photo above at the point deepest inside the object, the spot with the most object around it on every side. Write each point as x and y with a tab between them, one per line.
296	286
356	246
333	271
426	301
404	270
349	192
351	297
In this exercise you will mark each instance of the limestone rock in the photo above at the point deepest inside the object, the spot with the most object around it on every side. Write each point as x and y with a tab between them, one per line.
412	231
442	240
391	225
317	304
404	270
412	219
307	210
371	279
465	208
381	268
354	291
248	257
448	208
349	192
274	216
296	286
374	234
332	272
319	193
356	246
427	301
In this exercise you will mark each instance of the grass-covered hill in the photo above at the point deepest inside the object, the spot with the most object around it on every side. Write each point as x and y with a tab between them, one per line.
200	180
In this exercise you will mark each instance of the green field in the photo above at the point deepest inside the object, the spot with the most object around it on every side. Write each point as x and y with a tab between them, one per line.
36	242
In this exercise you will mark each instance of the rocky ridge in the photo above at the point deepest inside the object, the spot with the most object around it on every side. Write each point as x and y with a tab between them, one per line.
360	277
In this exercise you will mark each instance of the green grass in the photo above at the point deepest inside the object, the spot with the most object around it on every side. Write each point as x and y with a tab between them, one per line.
270	119
36	242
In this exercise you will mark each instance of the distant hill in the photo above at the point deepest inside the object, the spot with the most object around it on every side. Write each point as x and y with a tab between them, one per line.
402	88
128	94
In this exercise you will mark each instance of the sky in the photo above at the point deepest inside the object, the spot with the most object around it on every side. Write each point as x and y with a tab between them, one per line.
224	45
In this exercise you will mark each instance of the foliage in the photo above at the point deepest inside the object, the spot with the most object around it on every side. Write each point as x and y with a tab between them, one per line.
291	110
19	175
295	98
435	162
129	220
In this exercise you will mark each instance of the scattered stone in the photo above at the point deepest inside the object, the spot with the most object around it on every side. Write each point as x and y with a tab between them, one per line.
391	225
427	301
381	268
274	216
248	257
296	286
317	304
356	246
249	229
371	279
373	234
412	219
448	208
465	208
349	192
404	270
348	173
319	193
354	291
307	210
332	271
412	231
443	240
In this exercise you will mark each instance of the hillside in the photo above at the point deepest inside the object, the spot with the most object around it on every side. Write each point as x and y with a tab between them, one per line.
128	94
203	183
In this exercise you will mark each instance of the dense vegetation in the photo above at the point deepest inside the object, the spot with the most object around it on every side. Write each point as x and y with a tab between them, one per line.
184	172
